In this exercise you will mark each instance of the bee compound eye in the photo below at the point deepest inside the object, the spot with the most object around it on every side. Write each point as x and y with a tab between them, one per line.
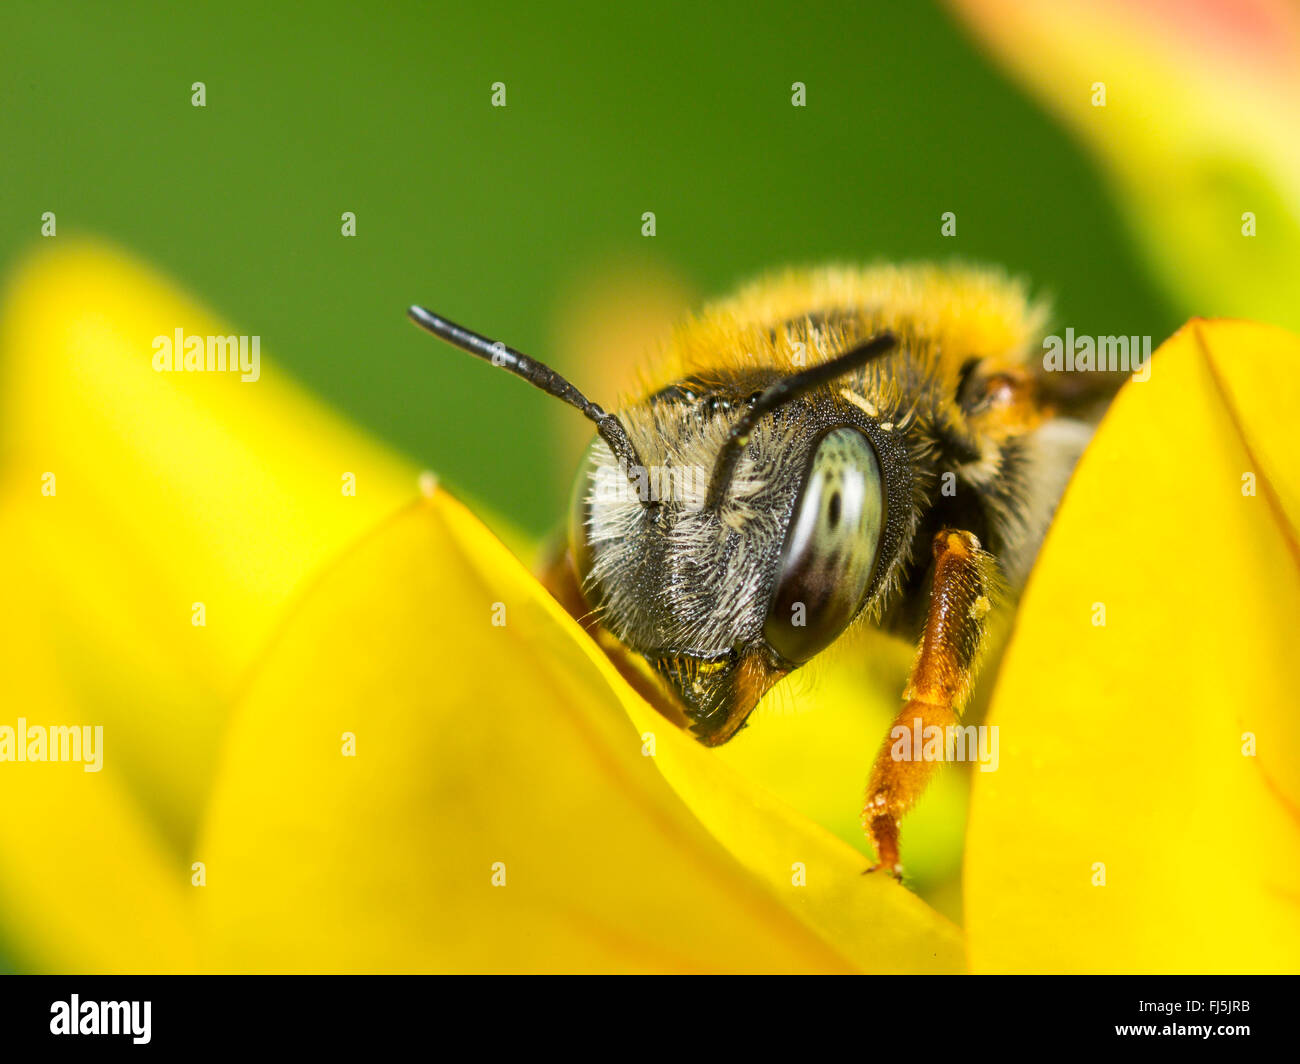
830	548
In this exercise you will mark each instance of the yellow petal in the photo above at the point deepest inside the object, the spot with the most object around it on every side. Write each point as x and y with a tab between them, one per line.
170	489
86	882
1198	129
1126	748
483	747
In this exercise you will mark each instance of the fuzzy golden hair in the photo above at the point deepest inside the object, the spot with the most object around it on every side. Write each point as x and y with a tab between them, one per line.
954	313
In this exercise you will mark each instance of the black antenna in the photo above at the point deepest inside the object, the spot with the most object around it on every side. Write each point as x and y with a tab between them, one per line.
781	392
535	373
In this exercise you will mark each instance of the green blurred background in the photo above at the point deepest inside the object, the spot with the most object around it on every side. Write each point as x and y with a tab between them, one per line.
498	216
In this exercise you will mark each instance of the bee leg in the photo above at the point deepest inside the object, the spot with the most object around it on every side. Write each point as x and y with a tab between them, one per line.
940	682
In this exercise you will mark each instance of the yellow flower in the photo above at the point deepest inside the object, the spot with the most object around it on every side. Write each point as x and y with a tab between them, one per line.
372	776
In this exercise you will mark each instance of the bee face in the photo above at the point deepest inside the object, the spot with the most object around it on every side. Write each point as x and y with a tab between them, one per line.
723	600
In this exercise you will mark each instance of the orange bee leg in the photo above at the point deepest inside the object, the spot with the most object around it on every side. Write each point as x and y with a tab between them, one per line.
940	682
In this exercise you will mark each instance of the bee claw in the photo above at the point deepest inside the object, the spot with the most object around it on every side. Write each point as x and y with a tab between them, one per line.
896	871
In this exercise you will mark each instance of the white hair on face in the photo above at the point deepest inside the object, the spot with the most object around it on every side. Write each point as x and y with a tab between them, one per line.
711	586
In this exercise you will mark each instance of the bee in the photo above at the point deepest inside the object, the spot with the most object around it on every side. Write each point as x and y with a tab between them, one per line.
825	449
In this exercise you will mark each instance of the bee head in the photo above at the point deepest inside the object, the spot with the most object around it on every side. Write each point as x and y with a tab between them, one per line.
727	531
748	539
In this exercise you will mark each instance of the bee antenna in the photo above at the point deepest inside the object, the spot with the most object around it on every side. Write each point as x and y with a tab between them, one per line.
535	373
782	392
